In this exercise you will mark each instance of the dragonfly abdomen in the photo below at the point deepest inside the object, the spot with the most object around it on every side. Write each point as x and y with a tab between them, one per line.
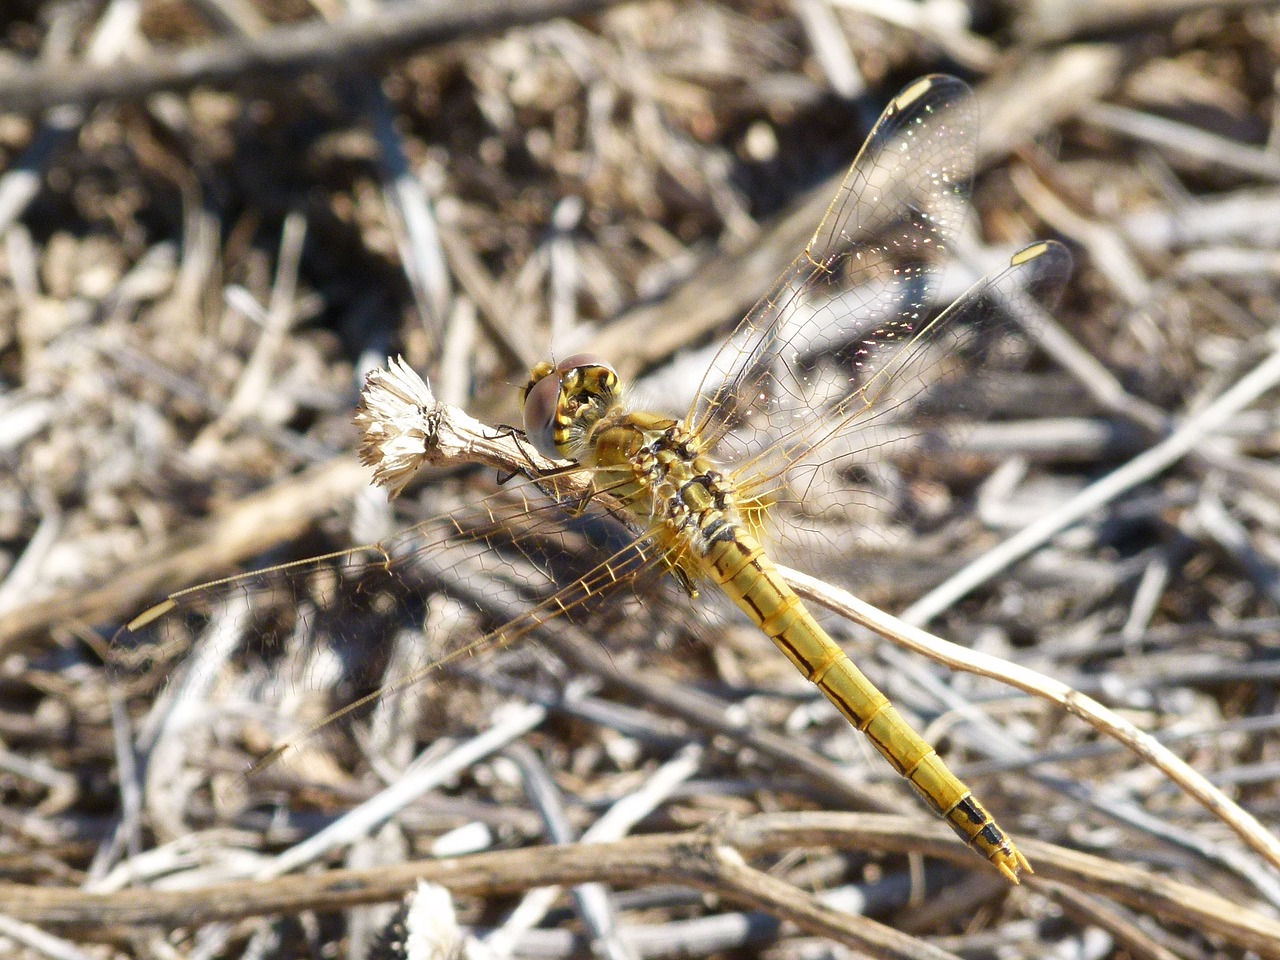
658	472
745	572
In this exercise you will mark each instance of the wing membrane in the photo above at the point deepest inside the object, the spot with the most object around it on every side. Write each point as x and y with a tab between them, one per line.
936	377
876	254
320	625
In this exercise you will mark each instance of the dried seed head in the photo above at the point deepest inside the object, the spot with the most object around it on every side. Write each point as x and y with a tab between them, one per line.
431	925
395	415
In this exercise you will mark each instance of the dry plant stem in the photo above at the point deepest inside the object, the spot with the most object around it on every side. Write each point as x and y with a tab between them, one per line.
1097	912
457	435
830	48
1182	139
248	527
255	379
593	901
280	51
614	824
364	819
975	51
234	16
705	713
513	343
414	224
39	942
709	863
1045	23
1141	468
693	859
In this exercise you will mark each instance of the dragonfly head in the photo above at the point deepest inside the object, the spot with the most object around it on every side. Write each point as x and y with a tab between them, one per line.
563	401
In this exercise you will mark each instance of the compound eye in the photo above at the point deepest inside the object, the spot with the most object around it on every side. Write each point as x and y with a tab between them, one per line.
583	360
540	415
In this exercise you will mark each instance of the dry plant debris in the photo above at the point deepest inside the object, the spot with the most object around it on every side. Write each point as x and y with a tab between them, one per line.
218	215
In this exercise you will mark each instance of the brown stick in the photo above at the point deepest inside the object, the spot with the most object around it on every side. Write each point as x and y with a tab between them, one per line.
709	863
280	51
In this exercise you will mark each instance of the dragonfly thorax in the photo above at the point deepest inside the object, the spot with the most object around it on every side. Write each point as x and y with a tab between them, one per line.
650	464
656	469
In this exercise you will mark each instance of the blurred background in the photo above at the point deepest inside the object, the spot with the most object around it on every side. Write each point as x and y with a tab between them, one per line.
218	215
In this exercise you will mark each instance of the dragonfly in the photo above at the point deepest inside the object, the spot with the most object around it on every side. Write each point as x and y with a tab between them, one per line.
844	357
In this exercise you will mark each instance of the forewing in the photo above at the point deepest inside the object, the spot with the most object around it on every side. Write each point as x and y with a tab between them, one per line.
867	277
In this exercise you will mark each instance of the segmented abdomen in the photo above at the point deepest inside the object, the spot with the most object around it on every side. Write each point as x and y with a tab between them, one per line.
741	567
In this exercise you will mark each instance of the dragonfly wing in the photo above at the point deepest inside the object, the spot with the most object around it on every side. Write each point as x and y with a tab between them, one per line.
315	630
906	395
869	270
847	362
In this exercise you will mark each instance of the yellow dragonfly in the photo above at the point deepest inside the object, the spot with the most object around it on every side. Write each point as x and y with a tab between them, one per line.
844	357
